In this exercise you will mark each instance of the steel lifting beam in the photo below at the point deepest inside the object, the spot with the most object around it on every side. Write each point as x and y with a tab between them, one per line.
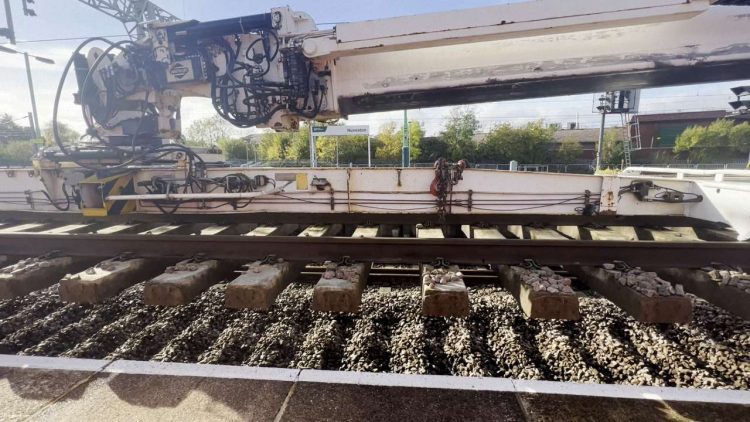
397	250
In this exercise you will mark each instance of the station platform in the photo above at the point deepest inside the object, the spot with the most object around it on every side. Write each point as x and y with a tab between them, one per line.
39	388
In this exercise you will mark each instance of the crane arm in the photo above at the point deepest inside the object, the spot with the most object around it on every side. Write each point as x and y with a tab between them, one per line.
131	12
275	69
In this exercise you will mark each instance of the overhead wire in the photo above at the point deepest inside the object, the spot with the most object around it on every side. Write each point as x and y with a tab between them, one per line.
69	38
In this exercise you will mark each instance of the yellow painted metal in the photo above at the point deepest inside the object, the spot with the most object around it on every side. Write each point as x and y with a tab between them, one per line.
301	181
95	190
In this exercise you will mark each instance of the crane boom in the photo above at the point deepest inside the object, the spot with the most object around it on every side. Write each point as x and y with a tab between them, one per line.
131	12
275	69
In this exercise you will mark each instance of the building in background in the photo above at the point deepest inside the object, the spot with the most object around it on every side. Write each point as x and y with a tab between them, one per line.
659	132
587	138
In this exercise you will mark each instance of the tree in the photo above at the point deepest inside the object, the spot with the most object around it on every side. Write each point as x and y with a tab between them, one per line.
416	133
276	146
527	144
389	142
16	153
234	149
298	148
570	151
273	145
722	140
8	124
458	133
208	131
351	149
432	148
613	151
67	134
739	139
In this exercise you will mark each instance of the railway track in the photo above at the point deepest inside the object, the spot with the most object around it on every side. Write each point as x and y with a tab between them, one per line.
390	334
226	242
136	291
185	258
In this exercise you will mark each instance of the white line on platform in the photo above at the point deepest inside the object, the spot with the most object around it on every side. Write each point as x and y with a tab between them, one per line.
202	370
633	392
407	380
378	379
63	364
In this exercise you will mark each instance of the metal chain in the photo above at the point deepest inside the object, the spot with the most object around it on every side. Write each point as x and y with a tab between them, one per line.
446	176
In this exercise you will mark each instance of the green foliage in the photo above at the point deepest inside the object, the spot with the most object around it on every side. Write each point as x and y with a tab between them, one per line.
275	146
389	142
739	138
527	144
208	131
298	147
67	134
720	141
7	124
613	151
570	151
416	133
16	153
351	149
234	149
458	134
431	150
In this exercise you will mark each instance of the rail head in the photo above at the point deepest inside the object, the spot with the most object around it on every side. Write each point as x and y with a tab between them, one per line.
396	250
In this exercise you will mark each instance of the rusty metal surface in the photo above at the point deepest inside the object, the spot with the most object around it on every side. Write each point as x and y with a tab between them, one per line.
397	250
524	89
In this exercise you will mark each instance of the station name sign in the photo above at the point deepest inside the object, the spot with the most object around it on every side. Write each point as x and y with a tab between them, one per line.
340	130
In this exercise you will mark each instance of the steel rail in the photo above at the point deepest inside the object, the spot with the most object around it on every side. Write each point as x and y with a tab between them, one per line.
364	218
395	250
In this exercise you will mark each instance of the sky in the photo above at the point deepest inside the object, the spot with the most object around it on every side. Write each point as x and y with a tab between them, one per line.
57	20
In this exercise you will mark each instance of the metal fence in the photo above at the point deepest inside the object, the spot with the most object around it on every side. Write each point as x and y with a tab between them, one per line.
576	168
714	166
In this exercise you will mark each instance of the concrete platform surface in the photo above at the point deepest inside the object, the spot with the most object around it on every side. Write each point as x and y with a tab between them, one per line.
36	388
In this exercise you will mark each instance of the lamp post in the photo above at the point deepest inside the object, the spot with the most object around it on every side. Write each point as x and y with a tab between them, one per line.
742	105
604	108
26	56
405	146
8	31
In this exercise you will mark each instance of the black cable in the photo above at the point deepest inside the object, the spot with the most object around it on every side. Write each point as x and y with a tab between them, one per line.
527	208
54	203
134	158
55	129
224	88
91	70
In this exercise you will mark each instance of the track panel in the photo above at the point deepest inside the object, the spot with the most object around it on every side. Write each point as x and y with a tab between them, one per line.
397	250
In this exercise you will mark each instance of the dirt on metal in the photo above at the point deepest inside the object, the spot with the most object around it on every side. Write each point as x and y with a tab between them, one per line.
390	335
